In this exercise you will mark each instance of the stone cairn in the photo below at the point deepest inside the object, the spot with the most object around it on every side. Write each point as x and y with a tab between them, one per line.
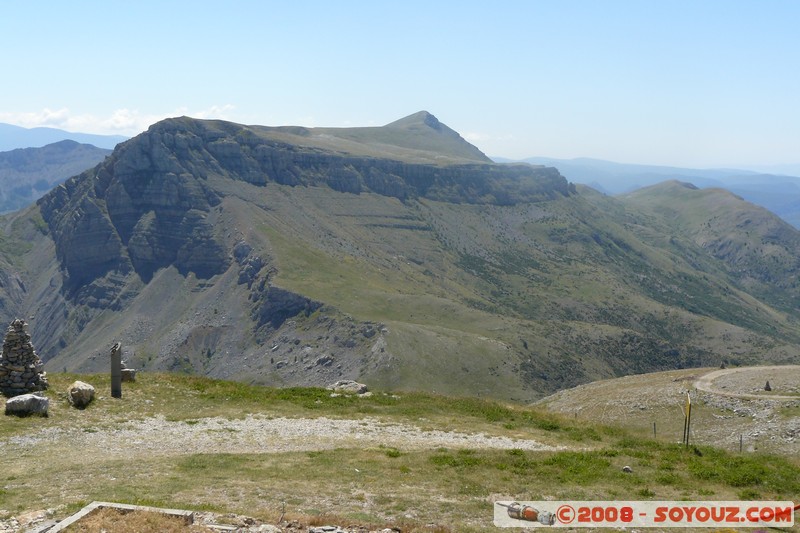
21	370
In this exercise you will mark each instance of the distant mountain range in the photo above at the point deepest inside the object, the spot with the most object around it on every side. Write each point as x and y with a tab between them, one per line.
400	256
28	173
777	192
12	137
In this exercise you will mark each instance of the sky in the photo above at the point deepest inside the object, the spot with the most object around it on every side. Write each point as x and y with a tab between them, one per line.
697	83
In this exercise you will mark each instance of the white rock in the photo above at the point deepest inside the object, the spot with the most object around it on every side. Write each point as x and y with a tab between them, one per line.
27	404
81	394
348	385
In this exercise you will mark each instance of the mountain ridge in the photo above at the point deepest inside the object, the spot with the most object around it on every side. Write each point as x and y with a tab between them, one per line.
13	137
226	250
780	193
28	173
419	137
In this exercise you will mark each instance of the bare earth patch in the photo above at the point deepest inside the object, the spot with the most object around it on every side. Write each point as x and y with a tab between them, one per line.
157	436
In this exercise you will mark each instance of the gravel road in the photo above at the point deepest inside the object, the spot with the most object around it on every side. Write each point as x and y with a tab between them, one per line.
254	434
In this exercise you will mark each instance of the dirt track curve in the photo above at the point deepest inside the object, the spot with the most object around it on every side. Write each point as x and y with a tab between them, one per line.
705	382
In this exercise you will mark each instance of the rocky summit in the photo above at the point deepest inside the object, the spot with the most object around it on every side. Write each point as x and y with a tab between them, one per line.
397	256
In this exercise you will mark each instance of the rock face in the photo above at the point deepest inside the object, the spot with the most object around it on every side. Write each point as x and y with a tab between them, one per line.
27	404
80	394
151	204
21	370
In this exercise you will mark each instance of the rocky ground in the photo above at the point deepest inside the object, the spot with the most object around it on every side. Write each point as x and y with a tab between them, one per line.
253	434
729	406
740	394
41	522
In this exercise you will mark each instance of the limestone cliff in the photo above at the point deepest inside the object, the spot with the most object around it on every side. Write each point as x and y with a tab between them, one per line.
150	205
158	203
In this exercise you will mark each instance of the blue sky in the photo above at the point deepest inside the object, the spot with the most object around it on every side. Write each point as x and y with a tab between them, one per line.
686	83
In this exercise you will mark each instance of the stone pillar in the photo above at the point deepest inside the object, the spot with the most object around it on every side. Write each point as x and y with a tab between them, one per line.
116	370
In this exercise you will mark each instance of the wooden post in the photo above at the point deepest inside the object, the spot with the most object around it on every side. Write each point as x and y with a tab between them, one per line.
688	424
687	419
116	370
654	430
740	443
684	429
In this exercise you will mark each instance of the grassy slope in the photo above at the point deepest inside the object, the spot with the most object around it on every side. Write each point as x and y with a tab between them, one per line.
756	248
468	287
449	488
511	302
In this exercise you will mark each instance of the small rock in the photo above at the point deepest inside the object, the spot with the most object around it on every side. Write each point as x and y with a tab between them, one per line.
80	394
264	528
627	469
325	360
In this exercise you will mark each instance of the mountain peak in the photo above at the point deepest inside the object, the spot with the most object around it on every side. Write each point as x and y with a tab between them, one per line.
423	131
420	118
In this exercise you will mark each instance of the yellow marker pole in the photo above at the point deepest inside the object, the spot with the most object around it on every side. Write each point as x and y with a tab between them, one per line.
688	417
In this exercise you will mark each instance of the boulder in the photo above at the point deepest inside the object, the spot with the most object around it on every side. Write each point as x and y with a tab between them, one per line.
347	385
80	394
27	404
128	375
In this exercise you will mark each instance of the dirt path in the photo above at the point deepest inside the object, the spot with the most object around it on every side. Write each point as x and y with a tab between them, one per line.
253	434
706	382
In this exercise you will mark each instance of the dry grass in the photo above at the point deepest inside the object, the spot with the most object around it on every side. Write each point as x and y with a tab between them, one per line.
422	490
110	520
